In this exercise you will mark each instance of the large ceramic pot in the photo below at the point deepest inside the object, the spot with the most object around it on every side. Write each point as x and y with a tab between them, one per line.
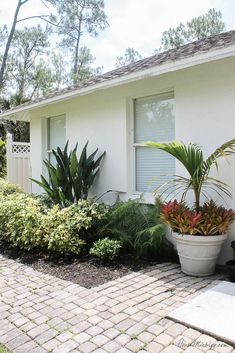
198	254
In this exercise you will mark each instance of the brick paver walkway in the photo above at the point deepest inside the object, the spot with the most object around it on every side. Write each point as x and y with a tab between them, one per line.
41	313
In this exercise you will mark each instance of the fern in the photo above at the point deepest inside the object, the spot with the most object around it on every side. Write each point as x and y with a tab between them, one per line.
138	227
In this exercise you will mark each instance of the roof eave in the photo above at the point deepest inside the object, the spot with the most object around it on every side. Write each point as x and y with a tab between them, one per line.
197	59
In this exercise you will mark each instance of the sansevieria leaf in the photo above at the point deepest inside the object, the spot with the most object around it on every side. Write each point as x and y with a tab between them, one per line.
70	178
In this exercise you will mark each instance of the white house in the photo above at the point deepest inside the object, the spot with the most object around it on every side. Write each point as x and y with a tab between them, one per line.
186	94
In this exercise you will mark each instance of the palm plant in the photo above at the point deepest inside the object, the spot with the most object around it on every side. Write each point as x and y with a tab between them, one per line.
70	179
191	156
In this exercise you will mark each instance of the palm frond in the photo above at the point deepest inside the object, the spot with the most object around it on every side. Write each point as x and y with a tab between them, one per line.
191	157
226	149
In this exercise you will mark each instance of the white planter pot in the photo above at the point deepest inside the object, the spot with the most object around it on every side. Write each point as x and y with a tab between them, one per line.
198	254
169	236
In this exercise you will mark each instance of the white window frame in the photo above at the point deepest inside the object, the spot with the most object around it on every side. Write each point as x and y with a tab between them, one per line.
147	196
49	151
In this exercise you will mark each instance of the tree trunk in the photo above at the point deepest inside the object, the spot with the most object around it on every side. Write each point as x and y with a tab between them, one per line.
75	67
197	199
8	44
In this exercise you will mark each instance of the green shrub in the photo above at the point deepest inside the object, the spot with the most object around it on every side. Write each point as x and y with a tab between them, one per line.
66	230
106	249
2	159
20	221
28	222
70	179
8	188
44	202
138	227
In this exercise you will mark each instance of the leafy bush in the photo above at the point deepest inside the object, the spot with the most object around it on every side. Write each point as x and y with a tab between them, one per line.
8	188
138	227
66	230
106	249
211	220
70	180
44	202
20	221
2	159
27	222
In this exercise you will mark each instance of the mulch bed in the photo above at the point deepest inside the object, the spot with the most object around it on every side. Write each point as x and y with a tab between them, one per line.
85	271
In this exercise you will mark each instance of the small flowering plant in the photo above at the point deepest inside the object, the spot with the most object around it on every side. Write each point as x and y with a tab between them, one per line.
210	220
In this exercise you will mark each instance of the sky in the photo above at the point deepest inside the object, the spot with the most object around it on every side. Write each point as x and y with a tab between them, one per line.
132	23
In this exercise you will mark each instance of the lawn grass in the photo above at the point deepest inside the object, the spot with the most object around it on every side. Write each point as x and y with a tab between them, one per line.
3	349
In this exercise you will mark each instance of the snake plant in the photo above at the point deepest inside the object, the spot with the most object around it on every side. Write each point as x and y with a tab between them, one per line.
70	179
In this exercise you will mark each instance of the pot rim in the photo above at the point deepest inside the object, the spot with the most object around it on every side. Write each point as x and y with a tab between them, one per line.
199	237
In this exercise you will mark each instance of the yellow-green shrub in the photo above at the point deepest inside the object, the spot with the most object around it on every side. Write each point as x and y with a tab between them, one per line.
27	223
20	221
106	249
2	158
66	230
8	188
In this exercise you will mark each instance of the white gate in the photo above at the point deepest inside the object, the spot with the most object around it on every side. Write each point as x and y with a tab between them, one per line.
18	163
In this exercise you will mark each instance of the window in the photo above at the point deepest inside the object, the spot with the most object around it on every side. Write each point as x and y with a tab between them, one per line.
153	121
56	134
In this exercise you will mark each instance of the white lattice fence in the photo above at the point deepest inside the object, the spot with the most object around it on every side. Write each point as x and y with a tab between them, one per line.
18	163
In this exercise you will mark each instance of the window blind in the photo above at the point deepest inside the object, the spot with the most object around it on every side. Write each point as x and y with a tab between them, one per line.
56	134
153	120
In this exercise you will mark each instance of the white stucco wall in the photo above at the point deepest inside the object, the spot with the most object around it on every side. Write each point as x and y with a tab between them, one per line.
204	113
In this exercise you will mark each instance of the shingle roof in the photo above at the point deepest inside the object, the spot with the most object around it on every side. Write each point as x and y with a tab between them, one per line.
203	45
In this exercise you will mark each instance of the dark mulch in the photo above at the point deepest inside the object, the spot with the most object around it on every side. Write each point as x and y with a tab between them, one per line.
85	271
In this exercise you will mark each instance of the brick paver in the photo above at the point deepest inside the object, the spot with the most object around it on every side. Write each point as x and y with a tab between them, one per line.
41	313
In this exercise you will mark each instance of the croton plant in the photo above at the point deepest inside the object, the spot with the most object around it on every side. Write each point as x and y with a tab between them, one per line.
210	220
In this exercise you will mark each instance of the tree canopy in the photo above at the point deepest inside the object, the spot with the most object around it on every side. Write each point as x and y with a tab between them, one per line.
35	60
74	18
197	28
30	64
129	57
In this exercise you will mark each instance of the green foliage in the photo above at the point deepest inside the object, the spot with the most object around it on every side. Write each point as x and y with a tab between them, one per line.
130	56
85	69
211	220
44	202
3	34
19	129
138	227
26	223
75	18
27	72
191	157
106	249
206	25
20	220
199	27
2	159
58	64
71	179
66	230
8	188
173	38
3	349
